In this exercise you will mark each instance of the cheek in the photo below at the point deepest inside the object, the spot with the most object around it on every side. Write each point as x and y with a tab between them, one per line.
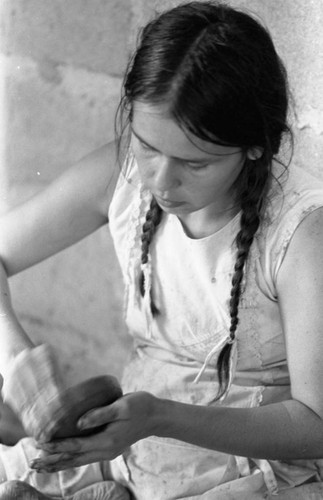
210	191
146	169
224	176
140	159
147	163
211	186
144	166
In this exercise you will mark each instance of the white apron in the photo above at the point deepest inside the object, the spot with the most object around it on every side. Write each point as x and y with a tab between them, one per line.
191	282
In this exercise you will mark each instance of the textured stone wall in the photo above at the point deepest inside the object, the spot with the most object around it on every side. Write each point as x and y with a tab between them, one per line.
61	70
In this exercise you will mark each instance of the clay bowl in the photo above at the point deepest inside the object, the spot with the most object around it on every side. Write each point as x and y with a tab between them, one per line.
79	399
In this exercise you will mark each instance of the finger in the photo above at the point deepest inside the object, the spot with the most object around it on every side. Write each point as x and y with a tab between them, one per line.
99	416
45	435
61	462
45	462
72	445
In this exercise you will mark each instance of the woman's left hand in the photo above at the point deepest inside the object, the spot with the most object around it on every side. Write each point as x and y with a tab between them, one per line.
129	419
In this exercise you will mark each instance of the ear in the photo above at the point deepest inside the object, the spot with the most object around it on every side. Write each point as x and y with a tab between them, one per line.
255	153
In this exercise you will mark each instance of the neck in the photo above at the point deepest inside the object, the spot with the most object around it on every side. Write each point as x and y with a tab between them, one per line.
200	224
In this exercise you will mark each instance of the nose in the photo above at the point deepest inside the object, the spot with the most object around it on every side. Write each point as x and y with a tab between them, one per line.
166	175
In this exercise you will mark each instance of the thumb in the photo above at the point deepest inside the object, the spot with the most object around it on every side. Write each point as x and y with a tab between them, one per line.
45	434
99	416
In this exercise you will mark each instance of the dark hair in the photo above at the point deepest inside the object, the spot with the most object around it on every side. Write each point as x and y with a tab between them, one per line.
218	71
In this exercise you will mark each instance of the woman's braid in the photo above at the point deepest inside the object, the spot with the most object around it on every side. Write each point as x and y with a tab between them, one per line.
252	197
153	218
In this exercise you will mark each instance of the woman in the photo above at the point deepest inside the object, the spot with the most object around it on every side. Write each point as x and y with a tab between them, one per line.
220	248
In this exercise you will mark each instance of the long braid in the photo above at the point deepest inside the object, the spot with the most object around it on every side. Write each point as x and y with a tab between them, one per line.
252	198
153	218
231	68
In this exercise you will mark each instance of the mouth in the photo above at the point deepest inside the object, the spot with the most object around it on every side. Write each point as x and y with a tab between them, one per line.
165	202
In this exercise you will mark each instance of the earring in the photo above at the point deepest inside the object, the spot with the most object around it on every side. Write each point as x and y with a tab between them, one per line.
254	153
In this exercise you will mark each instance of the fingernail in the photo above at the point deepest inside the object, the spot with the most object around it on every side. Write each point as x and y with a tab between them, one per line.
82	423
36	465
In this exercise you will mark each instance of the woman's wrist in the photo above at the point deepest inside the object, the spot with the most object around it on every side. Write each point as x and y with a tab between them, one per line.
167	417
13	340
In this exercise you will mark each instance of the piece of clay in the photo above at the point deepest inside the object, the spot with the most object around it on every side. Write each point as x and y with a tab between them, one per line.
79	399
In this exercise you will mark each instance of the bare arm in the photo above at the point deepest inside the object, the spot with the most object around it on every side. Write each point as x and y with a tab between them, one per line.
69	209
291	429
73	206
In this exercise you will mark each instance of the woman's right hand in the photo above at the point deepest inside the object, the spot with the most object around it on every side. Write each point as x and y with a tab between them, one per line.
70	208
129	419
31	388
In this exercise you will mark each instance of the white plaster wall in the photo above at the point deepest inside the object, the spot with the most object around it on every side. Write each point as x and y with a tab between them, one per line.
61	68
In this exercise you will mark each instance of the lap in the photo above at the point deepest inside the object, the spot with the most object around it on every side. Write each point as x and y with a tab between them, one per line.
311	491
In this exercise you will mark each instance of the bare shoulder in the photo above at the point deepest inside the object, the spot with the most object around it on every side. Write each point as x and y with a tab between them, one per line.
304	254
97	174
300	297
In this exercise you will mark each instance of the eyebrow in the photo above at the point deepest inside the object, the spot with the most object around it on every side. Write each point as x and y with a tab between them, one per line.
191	160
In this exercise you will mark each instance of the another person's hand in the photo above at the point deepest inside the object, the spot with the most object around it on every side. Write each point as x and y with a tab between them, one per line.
129	419
31	388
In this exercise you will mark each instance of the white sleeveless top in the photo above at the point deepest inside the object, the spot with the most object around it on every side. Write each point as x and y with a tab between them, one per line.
191	283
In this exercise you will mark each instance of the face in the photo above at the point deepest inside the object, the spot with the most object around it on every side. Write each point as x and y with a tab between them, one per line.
185	174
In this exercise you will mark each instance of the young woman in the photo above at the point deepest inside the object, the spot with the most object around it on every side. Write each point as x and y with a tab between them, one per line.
220	247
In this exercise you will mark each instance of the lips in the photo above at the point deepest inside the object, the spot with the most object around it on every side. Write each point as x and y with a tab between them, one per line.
165	202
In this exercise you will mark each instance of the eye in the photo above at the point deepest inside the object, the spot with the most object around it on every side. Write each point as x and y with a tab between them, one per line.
145	149
145	146
196	166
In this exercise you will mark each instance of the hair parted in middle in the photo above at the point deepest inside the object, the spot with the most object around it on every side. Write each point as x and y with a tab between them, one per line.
218	72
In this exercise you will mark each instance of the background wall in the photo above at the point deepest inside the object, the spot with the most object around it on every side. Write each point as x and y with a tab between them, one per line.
61	69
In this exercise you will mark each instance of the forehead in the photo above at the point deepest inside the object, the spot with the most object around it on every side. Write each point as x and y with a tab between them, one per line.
155	126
